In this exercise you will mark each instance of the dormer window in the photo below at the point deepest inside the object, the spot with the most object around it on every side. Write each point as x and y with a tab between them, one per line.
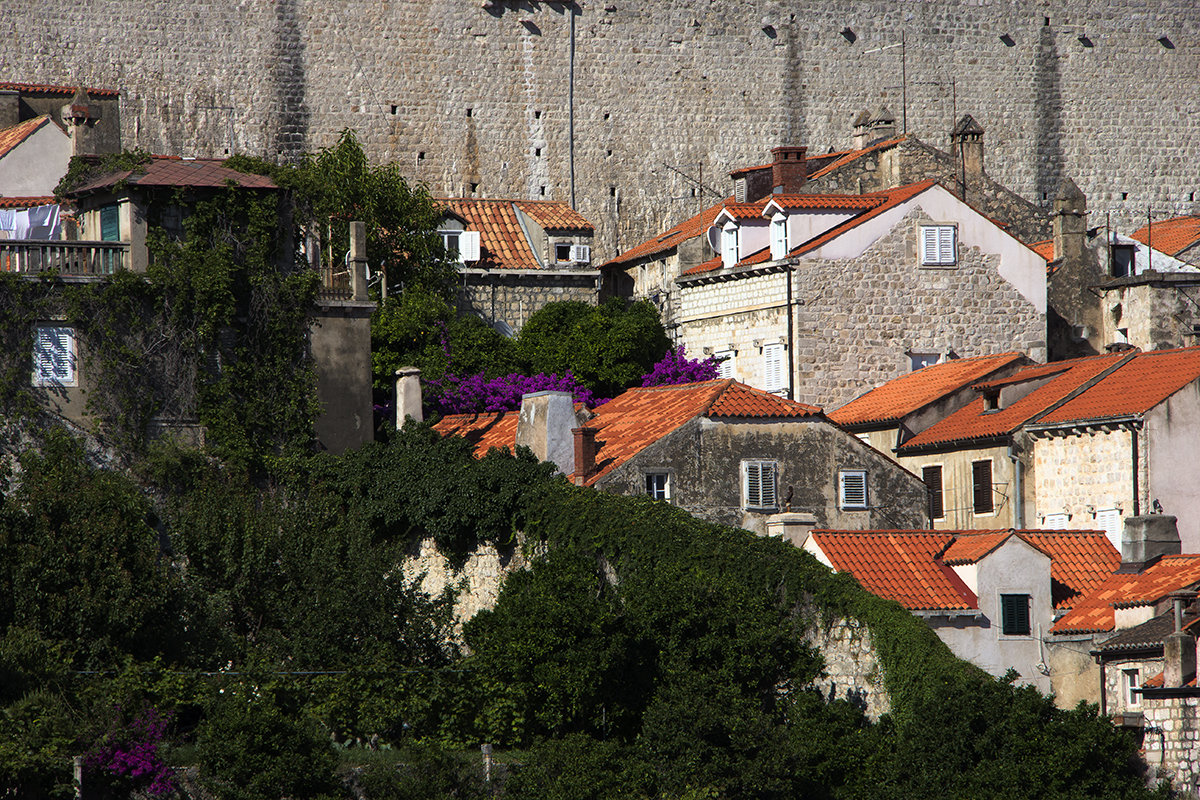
729	244
991	400
463	245
779	246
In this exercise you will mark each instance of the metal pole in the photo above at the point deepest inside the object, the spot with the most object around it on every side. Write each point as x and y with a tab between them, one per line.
571	108
903	83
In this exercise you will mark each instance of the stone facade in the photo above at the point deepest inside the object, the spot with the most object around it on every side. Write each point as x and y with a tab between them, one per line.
856	321
1082	474
1171	741
852	669
511	296
1151	311
463	93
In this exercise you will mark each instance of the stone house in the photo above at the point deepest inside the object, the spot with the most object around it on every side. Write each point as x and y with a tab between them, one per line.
115	214
823	296
719	449
990	596
1106	290
518	255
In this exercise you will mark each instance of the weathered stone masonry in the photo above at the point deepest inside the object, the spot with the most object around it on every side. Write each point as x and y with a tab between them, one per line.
469	92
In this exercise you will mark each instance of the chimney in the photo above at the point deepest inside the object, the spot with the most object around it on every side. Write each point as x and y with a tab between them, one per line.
967	142
545	426
1179	648
585	453
1146	539
10	108
789	170
358	260
883	127
80	116
408	396
1069	223
862	130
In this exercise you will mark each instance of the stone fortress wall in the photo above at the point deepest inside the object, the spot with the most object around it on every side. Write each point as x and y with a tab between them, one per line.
464	92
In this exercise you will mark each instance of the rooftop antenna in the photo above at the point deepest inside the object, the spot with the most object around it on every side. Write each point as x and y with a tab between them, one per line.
696	182
903	77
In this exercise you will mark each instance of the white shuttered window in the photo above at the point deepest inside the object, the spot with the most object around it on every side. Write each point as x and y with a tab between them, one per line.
774	367
939	246
852	488
758	484
54	356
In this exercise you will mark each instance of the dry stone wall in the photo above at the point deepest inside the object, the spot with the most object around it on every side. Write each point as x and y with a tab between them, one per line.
509	95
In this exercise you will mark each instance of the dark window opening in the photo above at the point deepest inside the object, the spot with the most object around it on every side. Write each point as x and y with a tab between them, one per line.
474	188
932	476
421	156
537	151
537	115
1014	614
562	252
981	474
1122	260
658	486
1124	195
393	111
469	111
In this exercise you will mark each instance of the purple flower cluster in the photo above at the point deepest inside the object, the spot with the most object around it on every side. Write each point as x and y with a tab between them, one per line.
676	367
130	754
475	393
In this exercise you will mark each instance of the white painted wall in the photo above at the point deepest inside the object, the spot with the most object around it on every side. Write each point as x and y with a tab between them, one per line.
35	166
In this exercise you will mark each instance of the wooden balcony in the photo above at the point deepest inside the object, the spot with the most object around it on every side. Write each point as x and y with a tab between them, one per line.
35	256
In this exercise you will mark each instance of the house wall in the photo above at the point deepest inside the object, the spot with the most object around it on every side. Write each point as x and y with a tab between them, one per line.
1114	695
958	487
511	296
1078	470
34	167
1154	315
1172	440
1013	568
852	334
705	456
1074	674
1172	730
340	342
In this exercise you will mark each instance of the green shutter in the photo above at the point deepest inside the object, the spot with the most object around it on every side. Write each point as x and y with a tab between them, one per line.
110	224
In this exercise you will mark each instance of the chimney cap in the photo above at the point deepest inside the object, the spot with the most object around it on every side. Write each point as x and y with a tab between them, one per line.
863	118
967	126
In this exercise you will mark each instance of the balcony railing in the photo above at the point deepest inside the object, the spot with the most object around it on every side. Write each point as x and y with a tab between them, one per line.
335	282
64	257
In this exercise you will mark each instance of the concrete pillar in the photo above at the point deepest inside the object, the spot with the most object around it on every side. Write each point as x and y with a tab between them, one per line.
408	396
792	526
545	426
358	260
585	453
1146	539
1179	656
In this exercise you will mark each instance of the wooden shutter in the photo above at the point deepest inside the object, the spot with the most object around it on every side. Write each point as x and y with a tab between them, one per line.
981	474
724	364
853	488
946	248
932	476
774	367
52	355
468	246
938	245
929	245
760	484
1014	614
110	224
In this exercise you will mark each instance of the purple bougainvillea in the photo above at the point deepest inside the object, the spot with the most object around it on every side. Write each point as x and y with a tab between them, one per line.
127	756
676	367
474	393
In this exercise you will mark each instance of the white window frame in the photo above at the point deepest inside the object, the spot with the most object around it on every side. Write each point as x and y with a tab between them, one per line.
55	354
775	367
779	238
939	245
760	485
463	245
918	361
1109	520
1131	680
729	244
654	490
1055	522
724	364
853	490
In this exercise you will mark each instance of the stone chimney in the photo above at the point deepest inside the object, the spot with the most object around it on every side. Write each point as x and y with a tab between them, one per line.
789	170
408	396
545	426
1179	648
585	453
883	127
358	261
862	130
1146	539
80	116
967	142
1069	223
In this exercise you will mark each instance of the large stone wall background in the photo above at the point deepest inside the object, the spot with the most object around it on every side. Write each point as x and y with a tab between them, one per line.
1085	89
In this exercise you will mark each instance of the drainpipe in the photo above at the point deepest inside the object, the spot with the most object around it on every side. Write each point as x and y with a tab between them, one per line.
1018	499
1133	452
1103	687
791	338
571	106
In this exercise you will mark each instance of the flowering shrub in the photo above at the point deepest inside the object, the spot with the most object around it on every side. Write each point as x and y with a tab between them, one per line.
127	758
676	367
474	393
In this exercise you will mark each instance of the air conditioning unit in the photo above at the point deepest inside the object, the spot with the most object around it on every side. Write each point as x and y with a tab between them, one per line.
581	254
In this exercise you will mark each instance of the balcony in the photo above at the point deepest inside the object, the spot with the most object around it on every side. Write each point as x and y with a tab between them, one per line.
34	256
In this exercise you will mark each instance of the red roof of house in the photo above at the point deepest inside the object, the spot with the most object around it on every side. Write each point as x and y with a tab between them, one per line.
1094	612
897	398
637	418
172	171
1171	235
1137	386
13	136
502	241
1079	560
973	422
904	566
1045	249
805	202
63	91
25	202
672	238
744	210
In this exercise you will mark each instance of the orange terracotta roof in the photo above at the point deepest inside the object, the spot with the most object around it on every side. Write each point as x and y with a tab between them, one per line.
1171	235
553	215
1137	386
63	91
25	202
13	136
744	210
168	171
896	399
819	202
1094	611
1045	249
972	422
635	419
672	238
745	170
899	565
1079	560
502	242
853	155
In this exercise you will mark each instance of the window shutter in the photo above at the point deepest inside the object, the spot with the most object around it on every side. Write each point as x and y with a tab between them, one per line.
1109	521
110	224
760	484
774	369
52	355
468	246
853	488
724	364
981	473
1014	614
767	499
946	254
938	244
929	245
932	476
581	253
